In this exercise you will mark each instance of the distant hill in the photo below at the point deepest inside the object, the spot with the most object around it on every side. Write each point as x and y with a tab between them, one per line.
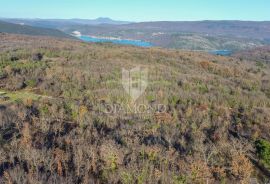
60	23
241	29
6	27
190	35
198	35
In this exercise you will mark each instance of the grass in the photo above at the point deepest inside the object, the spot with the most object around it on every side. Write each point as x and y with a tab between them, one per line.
2	93
20	96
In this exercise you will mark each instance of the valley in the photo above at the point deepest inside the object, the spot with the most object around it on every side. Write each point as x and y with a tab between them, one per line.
186	35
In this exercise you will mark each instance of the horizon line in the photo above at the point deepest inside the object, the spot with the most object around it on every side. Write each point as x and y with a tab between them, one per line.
74	18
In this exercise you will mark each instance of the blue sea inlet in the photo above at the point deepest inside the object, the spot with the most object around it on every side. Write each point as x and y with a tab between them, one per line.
222	52
116	41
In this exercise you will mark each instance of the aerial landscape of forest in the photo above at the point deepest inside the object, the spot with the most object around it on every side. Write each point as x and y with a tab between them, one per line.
169	100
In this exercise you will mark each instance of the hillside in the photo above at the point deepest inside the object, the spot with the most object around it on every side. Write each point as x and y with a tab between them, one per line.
240	29
65	116
6	27
197	35
260	54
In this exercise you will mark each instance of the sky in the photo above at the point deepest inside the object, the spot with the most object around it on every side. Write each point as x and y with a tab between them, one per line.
138	10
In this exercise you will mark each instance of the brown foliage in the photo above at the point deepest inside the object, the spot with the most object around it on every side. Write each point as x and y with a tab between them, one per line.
26	135
8	178
60	158
200	172
207	65
210	101
163	117
241	167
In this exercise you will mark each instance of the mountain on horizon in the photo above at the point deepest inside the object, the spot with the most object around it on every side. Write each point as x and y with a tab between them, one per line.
58	23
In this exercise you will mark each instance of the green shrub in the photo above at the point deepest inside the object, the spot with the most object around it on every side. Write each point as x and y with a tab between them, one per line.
203	88
263	151
150	98
31	83
259	64
173	100
2	74
44	110
127	178
179	179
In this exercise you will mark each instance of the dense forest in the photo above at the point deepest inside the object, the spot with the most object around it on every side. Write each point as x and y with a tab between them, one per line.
55	125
